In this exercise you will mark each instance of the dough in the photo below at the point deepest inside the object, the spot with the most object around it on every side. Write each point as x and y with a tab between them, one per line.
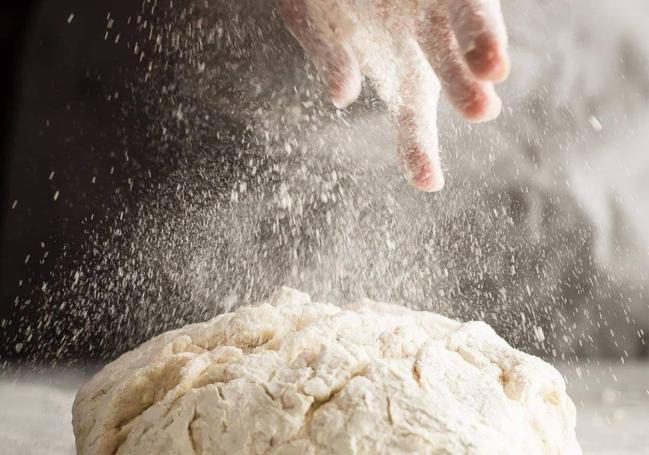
293	376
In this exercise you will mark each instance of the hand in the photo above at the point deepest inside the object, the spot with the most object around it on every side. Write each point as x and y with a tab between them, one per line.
407	47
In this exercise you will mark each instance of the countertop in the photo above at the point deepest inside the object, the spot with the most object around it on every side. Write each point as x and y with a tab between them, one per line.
612	403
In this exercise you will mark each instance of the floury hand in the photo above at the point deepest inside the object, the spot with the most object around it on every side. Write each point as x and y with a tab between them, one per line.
409	49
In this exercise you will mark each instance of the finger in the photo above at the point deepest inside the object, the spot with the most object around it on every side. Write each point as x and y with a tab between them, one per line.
481	34
337	65
476	100
393	61
415	113
418	150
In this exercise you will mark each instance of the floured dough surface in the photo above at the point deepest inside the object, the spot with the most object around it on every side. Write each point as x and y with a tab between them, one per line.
291	376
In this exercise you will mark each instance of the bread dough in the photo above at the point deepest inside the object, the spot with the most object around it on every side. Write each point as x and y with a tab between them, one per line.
292	376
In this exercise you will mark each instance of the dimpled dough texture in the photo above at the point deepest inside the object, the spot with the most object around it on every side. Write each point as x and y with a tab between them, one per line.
296	377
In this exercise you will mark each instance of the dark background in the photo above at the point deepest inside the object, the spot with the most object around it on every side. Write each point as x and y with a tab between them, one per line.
114	172
69	120
95	121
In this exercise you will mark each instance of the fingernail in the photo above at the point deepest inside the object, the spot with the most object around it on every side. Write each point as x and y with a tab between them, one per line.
426	177
494	107
344	90
487	60
484	104
431	185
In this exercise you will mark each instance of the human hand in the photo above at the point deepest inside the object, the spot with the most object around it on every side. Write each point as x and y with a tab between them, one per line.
409	49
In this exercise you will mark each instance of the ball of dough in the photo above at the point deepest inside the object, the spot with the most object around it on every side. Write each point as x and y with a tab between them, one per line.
292	376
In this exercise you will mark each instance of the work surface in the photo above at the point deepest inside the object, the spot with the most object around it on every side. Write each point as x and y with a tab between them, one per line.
612	402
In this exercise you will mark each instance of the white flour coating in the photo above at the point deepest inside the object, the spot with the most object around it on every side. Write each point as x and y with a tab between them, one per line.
410	50
297	377
379	35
